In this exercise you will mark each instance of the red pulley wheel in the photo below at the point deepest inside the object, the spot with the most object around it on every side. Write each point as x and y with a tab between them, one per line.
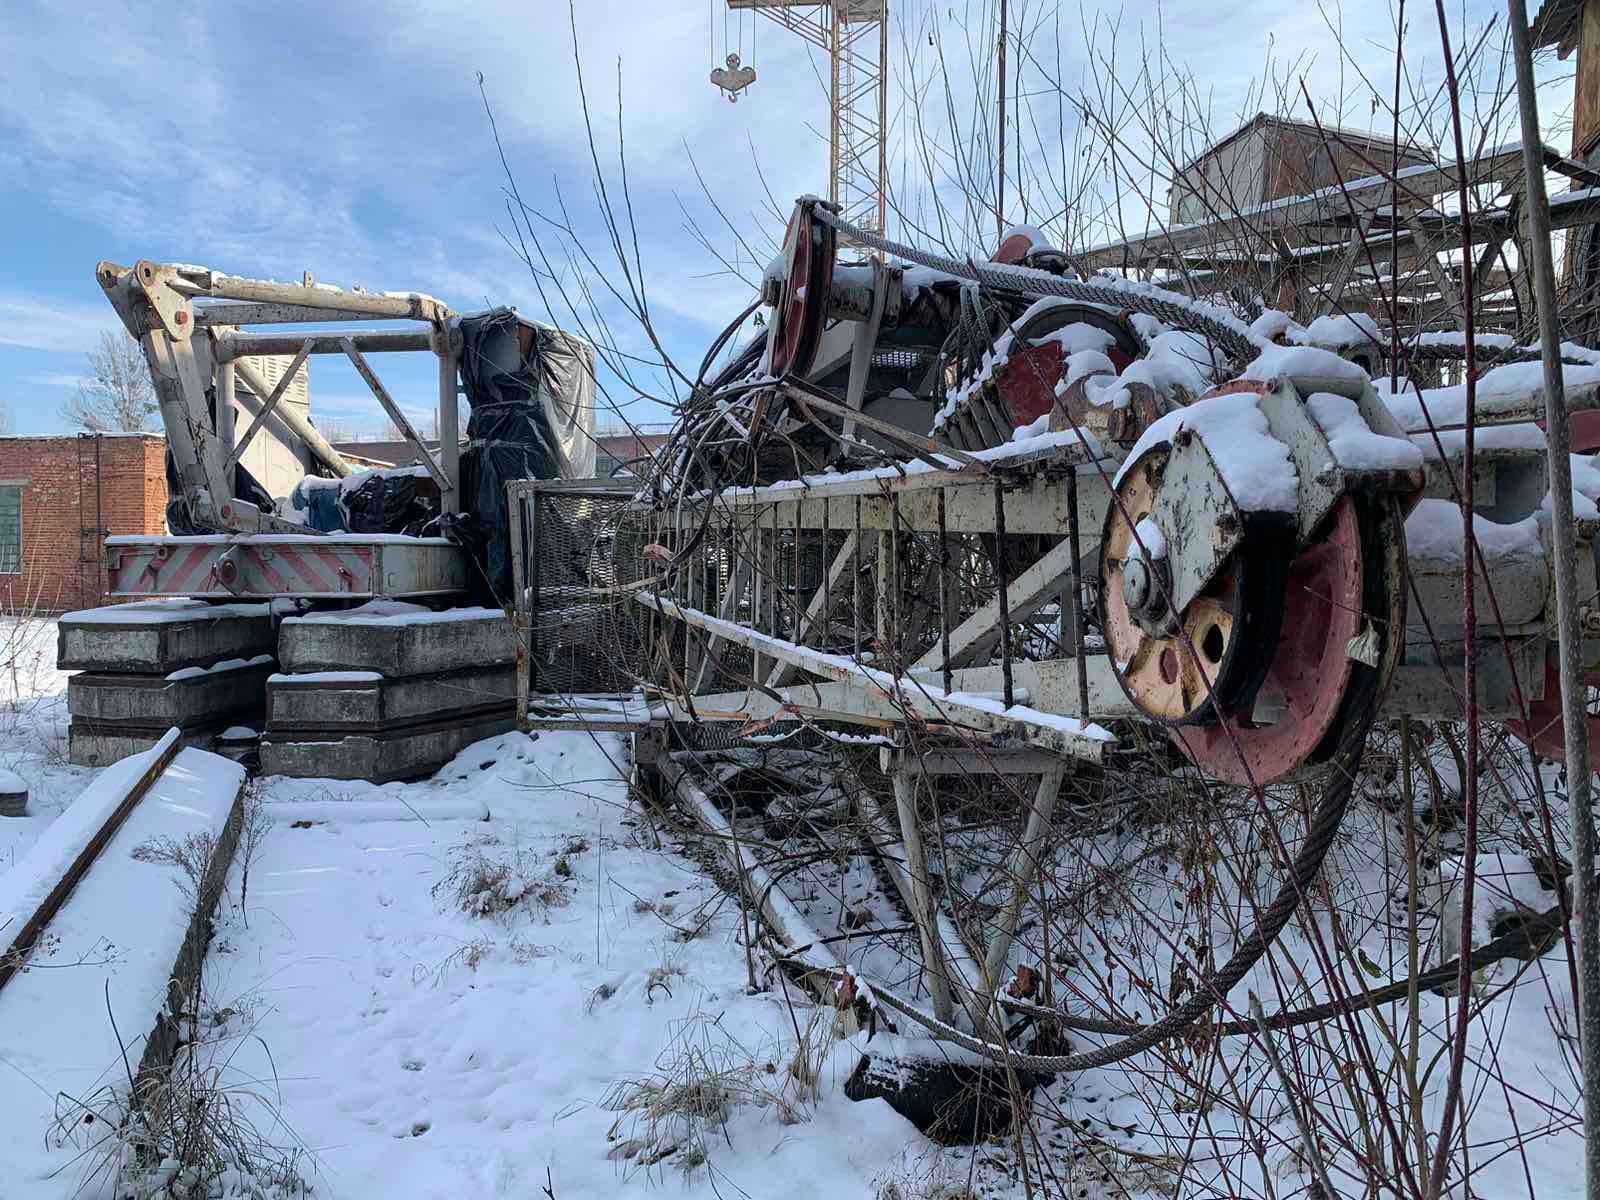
1315	692
802	310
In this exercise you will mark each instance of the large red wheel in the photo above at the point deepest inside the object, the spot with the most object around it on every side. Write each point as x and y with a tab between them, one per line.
1340	638
802	311
1209	661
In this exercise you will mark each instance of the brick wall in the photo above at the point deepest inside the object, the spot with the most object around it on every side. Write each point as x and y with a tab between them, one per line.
76	490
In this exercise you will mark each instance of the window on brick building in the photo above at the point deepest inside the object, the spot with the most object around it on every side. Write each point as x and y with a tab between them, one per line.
10	529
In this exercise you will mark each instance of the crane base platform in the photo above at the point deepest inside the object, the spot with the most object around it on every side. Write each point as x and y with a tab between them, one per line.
286	566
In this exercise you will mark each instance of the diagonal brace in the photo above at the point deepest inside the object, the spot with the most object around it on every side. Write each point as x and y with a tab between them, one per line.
1023	595
401	421
267	407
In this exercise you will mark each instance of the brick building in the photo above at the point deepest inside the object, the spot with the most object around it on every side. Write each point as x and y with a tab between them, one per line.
59	498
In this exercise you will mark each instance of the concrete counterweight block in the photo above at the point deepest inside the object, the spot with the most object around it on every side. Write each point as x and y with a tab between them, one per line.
186	697
13	795
388	690
367	701
396	639
148	666
157	637
407	752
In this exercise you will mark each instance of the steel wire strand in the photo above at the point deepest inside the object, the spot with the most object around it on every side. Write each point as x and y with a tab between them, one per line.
1212	990
1228	332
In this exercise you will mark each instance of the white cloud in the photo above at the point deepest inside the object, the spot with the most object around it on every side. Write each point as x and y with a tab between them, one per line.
268	140
54	379
34	322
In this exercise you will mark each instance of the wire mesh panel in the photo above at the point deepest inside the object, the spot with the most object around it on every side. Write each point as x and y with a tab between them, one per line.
578	547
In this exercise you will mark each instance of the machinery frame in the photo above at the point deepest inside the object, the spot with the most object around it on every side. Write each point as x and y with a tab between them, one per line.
192	324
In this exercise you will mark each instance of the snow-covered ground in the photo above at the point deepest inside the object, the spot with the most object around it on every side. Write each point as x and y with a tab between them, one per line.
454	987
33	730
392	1044
420	1050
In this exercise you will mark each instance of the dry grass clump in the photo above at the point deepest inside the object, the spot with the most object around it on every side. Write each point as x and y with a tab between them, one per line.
489	879
197	1130
928	1179
191	854
701	1079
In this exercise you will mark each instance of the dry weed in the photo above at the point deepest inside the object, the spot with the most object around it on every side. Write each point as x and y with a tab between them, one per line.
486	879
191	854
702	1077
200	1129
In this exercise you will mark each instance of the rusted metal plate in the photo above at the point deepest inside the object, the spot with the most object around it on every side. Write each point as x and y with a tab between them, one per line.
1544	731
271	567
1026	385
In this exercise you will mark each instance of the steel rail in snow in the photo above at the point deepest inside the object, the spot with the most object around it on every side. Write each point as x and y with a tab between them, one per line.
14	957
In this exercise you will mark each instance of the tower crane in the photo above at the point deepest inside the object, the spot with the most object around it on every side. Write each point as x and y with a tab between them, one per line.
855	36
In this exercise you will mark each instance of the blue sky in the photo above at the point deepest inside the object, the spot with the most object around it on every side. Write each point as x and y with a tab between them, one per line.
351	141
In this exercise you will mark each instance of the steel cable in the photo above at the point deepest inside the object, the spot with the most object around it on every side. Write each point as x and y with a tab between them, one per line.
1211	991
1224	329
1534	932
1213	321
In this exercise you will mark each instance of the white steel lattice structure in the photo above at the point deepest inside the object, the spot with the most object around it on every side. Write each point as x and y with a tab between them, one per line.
855	36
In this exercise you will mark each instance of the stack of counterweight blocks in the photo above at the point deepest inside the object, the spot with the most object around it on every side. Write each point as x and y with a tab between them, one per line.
387	691
147	666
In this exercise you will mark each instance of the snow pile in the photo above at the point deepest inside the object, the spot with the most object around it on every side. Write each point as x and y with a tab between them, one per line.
1435	529
1585	487
308	678
915	277
227	664
1308	363
396	612
1354	444
1448	405
1084	362
1037	427
1076	337
1177	367
158	612
1456	340
1177	360
1274	324
1254	464
1036	238
1522	436
1339	332
1148	540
